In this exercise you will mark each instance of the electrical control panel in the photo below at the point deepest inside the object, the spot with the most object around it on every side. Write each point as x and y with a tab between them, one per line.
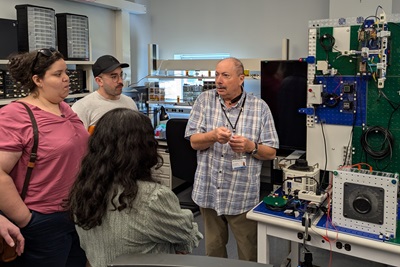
353	99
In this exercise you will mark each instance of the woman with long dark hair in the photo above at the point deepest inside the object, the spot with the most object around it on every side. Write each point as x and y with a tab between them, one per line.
116	204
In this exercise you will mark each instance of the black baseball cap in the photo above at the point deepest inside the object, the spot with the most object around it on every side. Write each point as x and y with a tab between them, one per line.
106	64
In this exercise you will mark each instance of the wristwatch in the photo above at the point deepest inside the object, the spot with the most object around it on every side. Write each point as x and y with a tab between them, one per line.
255	150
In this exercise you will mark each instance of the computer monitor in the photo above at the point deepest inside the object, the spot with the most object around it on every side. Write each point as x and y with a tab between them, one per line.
284	89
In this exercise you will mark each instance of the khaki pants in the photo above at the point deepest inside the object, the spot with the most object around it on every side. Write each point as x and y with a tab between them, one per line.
216	234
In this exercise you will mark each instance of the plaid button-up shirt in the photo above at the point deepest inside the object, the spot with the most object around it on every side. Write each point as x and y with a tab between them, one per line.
217	185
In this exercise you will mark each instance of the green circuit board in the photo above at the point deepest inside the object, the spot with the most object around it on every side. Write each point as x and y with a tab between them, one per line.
370	67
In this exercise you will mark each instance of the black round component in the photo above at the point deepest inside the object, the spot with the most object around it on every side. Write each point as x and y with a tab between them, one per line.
300	235
362	204
347	247
300	165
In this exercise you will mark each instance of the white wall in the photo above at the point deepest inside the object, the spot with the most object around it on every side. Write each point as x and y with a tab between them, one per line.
396	7
140	26
245	29
356	8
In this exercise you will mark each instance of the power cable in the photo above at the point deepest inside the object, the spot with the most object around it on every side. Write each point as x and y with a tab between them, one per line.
386	146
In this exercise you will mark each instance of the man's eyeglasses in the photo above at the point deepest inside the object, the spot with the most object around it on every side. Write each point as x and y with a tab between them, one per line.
45	52
115	77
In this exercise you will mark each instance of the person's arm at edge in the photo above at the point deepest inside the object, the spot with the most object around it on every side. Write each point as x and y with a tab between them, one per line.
10	200
11	233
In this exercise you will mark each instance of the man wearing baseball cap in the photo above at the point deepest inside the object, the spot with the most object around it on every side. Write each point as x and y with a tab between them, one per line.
108	74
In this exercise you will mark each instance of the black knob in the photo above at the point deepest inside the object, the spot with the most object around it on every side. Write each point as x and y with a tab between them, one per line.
362	204
302	163
300	235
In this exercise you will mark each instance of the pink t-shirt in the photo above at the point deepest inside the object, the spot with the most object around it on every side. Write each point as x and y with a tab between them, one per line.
62	144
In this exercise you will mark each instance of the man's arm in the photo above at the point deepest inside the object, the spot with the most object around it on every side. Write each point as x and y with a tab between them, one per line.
202	141
241	144
265	152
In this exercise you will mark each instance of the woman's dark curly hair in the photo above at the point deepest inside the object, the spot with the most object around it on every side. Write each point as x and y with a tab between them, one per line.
23	66
122	151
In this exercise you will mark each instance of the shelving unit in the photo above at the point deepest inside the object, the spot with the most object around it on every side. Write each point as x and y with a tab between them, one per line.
196	72
160	77
85	65
179	77
169	103
165	67
251	64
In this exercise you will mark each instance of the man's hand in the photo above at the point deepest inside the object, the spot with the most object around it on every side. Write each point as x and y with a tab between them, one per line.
12	235
240	144
201	141
223	135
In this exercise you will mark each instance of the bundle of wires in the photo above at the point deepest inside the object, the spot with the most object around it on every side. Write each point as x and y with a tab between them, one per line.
381	151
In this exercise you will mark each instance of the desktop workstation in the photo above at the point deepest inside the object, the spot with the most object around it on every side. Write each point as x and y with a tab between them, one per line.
320	234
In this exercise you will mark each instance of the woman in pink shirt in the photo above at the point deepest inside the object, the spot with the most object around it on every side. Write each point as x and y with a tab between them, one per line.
50	237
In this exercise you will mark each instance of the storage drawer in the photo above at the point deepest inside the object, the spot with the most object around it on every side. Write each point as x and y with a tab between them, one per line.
163	174
163	179
165	182
164	170
164	155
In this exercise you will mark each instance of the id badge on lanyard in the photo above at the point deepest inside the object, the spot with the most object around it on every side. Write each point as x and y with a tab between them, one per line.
239	161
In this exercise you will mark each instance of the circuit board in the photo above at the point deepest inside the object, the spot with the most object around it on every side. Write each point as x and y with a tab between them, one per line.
354	89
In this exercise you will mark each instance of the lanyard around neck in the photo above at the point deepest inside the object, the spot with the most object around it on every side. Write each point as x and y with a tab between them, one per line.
237	119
